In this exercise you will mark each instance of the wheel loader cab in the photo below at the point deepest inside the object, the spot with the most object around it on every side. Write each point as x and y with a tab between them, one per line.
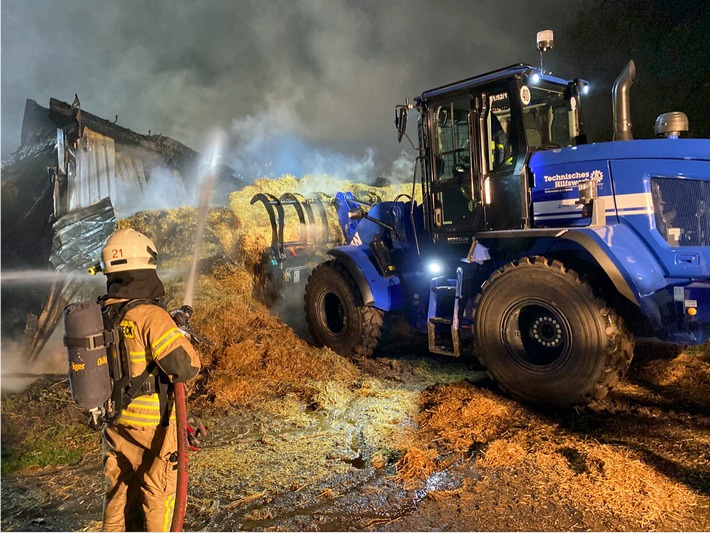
474	147
477	134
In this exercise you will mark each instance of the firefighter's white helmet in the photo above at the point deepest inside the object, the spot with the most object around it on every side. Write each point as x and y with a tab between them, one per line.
128	249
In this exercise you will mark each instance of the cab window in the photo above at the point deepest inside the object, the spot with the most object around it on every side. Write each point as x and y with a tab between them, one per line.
500	152
451	139
550	119
457	207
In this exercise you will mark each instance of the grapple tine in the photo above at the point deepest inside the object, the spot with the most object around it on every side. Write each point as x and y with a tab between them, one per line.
290	199
264	199
312	236
281	221
318	202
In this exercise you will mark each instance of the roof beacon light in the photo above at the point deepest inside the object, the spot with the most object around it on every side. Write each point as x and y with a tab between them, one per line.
545	42
671	125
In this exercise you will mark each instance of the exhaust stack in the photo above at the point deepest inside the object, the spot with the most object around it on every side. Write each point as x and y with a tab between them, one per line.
622	103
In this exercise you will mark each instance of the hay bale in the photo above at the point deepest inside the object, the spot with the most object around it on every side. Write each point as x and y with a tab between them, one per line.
255	232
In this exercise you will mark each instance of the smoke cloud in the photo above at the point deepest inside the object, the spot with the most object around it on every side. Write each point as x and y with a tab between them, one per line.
299	87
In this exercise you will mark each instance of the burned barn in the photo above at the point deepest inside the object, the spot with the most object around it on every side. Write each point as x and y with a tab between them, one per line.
64	188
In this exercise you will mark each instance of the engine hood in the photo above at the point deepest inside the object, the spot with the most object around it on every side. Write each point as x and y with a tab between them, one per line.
688	149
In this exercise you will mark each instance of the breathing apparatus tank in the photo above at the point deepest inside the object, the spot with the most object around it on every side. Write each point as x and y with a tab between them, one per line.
86	342
99	370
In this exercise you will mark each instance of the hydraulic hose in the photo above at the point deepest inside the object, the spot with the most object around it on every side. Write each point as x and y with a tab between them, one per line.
183	447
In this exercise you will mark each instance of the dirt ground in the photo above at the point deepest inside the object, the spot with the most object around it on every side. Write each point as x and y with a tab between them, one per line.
302	439
638	460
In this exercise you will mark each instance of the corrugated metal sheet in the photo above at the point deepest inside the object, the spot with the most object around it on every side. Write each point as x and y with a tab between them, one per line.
100	169
144	180
131	174
95	174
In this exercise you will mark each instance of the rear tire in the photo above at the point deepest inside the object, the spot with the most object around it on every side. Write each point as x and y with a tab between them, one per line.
544	336
335	314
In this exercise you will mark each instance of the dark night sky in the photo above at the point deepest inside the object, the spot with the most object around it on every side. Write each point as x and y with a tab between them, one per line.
297	86
309	86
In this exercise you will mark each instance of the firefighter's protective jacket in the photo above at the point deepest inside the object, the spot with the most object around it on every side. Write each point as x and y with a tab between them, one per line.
150	334
140	444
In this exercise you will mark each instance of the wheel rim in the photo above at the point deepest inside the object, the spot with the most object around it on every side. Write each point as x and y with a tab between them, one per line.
332	314
536	335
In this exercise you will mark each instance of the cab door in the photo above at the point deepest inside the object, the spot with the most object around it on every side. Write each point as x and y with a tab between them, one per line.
457	208
501	158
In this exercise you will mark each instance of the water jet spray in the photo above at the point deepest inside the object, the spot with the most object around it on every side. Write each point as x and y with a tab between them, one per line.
186	310
205	194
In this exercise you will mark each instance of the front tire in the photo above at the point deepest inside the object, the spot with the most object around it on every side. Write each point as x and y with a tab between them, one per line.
335	314
544	336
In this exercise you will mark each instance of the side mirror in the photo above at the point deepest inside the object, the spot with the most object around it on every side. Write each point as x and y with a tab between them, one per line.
400	120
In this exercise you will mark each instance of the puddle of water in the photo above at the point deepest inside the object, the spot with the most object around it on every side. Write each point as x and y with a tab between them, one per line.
358	462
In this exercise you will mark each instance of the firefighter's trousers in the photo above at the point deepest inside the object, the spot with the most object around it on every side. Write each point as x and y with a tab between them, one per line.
140	472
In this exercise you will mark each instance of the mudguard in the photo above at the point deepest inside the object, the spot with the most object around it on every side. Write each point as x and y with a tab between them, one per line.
639	276
619	251
625	258
376	291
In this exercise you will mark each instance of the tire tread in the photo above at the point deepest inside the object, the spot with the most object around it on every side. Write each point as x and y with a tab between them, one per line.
372	318
620	342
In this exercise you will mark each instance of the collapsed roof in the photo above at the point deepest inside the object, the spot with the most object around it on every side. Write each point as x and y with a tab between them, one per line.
62	191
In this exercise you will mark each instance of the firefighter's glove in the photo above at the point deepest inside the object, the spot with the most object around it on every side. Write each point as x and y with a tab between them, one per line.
181	316
196	431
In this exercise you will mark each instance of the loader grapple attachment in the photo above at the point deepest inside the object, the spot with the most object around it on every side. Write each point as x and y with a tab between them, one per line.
288	262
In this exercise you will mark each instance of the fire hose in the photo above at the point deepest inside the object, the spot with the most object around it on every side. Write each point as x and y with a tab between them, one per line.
180	400
183	447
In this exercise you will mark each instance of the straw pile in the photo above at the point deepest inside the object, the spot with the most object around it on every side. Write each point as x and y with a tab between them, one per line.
502	436
591	477
256	355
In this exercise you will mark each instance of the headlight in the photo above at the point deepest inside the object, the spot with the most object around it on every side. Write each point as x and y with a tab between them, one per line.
435	267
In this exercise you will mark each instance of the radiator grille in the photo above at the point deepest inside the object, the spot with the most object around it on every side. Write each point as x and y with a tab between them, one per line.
682	210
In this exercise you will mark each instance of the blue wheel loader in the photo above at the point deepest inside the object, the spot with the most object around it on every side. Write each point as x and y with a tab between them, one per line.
539	253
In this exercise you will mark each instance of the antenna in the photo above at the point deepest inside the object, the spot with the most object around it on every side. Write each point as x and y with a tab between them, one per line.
545	42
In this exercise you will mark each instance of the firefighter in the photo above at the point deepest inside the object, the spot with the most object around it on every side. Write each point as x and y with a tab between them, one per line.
140	443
